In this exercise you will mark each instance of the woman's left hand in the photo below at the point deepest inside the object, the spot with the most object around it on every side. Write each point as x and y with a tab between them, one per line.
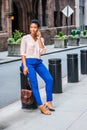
38	35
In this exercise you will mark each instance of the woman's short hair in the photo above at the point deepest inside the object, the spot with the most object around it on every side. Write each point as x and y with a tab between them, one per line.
36	21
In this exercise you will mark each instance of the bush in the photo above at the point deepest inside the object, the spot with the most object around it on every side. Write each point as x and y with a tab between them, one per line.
16	37
10	40
75	32
84	32
60	36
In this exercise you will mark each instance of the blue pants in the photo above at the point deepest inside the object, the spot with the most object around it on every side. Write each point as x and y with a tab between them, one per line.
36	65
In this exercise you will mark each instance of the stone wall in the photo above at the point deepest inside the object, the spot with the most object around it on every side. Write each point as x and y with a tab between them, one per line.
49	33
3	42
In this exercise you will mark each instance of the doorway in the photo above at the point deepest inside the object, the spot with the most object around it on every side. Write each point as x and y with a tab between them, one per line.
15	22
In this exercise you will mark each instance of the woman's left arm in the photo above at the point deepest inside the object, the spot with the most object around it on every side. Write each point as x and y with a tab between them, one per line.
41	43
40	40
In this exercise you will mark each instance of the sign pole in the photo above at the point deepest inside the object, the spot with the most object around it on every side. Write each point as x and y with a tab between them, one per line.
67	21
67	11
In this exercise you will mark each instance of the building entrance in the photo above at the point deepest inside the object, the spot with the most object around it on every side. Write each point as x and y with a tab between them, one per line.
21	13
15	23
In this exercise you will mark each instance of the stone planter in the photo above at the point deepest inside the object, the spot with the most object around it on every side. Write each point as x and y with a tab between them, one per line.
73	41
14	49
83	40
59	43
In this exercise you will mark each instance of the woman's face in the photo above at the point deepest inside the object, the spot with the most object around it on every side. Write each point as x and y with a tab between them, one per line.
33	28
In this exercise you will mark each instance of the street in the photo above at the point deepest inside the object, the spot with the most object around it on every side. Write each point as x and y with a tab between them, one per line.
9	83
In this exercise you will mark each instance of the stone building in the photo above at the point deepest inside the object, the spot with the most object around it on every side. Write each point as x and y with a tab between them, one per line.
16	14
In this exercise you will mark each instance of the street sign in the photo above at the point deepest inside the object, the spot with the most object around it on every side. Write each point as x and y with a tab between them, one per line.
67	11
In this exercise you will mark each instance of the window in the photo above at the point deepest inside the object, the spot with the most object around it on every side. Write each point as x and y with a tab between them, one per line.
55	18
44	2
72	19
61	18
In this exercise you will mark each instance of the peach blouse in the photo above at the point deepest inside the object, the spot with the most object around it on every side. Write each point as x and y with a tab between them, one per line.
30	48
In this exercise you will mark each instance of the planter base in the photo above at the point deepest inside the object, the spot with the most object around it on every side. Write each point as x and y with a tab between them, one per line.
83	40
73	42
60	43
13	49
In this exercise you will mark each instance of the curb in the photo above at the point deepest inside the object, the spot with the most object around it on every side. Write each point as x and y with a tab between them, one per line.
4	62
52	52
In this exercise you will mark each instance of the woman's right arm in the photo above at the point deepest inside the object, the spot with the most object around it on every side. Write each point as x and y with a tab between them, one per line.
23	55
25	71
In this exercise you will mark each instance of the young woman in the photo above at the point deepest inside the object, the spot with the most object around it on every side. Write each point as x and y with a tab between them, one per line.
32	46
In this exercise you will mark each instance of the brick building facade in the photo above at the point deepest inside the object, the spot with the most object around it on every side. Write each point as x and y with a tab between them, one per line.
47	11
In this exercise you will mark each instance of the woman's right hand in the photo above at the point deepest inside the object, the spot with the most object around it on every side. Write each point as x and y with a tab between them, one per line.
25	71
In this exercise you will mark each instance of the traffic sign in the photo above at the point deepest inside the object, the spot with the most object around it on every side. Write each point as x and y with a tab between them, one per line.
67	11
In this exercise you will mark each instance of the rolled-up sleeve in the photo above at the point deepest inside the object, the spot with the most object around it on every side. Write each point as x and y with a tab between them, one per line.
43	51
23	47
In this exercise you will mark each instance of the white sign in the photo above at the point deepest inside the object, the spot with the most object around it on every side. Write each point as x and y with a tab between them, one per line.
67	11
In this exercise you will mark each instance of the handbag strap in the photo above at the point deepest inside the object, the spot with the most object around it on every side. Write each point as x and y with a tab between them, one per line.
28	81
25	82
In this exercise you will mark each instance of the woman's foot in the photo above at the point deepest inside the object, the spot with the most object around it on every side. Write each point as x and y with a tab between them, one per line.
44	110
49	106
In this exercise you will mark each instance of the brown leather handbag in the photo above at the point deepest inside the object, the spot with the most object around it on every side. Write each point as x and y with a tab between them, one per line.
27	96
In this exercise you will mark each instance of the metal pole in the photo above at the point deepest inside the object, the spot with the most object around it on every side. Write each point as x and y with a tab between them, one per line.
67	21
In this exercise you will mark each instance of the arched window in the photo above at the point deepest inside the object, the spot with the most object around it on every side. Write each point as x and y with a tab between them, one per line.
0	14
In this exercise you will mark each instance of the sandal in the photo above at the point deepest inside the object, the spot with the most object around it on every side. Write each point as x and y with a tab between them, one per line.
49	106
44	110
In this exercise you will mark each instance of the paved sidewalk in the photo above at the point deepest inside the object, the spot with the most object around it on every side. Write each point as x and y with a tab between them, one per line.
4	58
71	107
70	114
